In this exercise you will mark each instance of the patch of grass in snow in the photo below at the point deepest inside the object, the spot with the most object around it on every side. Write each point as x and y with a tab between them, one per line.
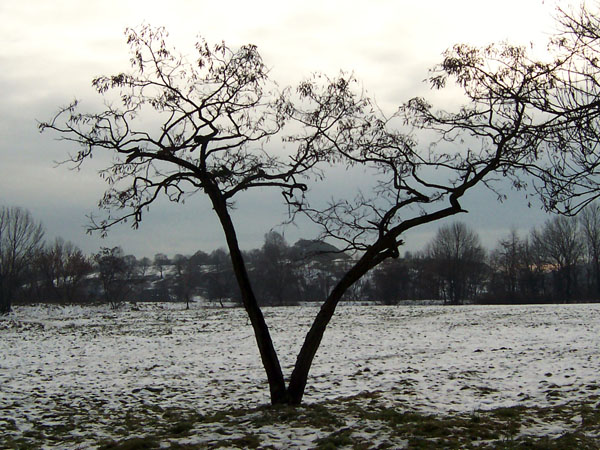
424	430
8	424
337	439
181	428
502	428
590	416
366	421
514	412
131	444
314	415
223	416
575	440
249	440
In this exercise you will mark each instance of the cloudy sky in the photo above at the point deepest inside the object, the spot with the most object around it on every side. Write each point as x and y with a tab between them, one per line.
51	50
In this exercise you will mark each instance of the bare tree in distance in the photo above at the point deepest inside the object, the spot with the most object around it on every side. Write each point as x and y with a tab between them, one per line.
218	278
186	274
589	221
64	267
459	258
144	264
561	245
117	274
520	122
274	271
507	258
21	237
160	261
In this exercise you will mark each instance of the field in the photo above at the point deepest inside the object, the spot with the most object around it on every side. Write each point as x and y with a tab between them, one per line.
385	377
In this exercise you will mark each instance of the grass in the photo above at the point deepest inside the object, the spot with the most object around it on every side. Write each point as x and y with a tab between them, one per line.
337	439
359	422
131	444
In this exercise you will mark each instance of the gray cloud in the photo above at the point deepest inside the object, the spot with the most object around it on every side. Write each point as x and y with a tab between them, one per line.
52	50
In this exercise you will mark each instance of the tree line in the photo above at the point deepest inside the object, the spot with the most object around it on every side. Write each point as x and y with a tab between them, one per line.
558	262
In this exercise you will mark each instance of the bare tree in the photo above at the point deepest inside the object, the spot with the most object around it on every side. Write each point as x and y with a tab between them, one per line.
273	275
185	277
590	225
508	261
117	273
219	277
528	121
509	256
391	281
217	113
63	267
459	260
143	265
20	239
561	245
160	261
533	277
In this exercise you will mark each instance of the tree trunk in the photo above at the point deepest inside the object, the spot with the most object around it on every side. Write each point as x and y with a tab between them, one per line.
385	247
314	336
568	284
4	300
597	274
261	330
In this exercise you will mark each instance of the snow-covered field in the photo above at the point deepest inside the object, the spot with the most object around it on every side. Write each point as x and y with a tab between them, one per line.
429	358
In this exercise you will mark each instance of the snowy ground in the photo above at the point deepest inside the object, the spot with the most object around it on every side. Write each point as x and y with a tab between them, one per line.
428	358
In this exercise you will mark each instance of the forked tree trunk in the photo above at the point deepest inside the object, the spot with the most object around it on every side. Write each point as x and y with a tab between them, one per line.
385	247
294	393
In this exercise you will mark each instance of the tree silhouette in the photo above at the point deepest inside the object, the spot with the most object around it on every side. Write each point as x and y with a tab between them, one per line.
21	237
530	121
562	246
116	274
459	260
63	267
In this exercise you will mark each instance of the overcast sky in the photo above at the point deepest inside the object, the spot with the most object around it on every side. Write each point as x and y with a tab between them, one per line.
51	50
